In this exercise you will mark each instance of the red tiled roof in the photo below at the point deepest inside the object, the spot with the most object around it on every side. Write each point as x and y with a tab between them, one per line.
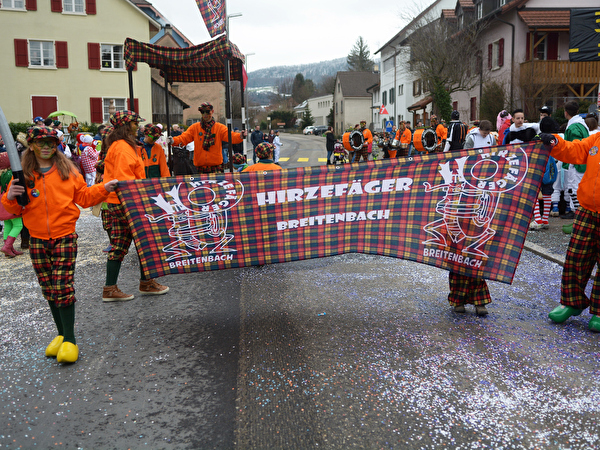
448	14
466	4
546	19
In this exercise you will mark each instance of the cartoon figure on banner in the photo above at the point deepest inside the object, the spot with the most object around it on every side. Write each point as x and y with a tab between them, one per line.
216	7
473	186
204	222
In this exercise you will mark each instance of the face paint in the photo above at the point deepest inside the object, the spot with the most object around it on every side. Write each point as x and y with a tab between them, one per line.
44	148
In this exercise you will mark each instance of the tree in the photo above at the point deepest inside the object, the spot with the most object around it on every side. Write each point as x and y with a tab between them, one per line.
359	58
281	115
302	89
308	119
492	101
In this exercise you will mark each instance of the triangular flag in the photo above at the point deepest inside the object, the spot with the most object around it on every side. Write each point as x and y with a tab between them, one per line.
382	110
213	13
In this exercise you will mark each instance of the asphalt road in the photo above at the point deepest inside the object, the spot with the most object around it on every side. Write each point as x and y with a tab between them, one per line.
351	351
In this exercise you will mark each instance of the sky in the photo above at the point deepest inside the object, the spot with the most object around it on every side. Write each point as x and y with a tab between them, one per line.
290	32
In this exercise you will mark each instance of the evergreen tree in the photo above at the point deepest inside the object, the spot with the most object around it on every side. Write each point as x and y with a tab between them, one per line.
308	119
359	58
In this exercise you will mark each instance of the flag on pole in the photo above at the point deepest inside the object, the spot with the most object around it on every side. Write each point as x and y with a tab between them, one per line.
382	110
213	13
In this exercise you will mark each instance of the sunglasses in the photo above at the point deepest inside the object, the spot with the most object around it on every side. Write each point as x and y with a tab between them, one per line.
206	111
45	143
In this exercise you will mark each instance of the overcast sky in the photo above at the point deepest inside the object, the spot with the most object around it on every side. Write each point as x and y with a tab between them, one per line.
289	32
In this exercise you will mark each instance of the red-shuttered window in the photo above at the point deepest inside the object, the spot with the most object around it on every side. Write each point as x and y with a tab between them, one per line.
31	5
93	56
490	50
473	112
501	52
21	53
90	6
62	55
136	106
56	6
496	54
96	110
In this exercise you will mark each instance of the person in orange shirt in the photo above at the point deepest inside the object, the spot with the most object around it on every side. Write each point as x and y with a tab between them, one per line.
403	139
208	136
153	154
55	188
440	131
123	163
264	152
368	143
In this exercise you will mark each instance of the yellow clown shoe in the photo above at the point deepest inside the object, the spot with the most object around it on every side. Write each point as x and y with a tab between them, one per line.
68	353
54	346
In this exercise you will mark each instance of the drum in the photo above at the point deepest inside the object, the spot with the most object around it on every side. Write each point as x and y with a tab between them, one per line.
353	140
425	140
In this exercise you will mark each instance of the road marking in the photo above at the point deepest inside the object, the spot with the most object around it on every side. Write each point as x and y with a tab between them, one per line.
284	159
322	159
303	159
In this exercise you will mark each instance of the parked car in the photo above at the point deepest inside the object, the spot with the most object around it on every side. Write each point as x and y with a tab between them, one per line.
308	130
319	130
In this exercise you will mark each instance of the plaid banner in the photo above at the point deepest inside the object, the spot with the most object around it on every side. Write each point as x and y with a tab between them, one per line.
213	13
466	211
199	64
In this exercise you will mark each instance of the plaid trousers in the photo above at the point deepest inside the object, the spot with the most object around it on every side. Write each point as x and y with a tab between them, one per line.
53	261
466	290
582	255
120	234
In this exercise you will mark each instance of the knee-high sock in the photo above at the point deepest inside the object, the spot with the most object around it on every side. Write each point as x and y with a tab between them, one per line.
67	317
113	267
56	316
536	211
547	205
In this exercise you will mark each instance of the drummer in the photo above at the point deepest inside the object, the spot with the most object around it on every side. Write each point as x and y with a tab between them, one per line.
440	131
368	143
403	138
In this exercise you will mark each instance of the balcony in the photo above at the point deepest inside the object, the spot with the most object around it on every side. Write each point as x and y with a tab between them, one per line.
560	72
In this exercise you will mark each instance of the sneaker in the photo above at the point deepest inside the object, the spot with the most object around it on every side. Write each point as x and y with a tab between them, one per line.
107	249
114	294
554	211
151	287
535	225
481	310
545	224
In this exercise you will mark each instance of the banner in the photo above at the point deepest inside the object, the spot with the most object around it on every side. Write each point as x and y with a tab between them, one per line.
213	13
466	211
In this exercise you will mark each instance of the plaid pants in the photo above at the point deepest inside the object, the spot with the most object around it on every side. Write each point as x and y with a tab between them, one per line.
466	290
582	255
54	264
210	169
363	152
120	234
106	220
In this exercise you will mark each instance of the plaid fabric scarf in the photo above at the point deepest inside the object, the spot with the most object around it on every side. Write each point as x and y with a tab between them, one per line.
209	138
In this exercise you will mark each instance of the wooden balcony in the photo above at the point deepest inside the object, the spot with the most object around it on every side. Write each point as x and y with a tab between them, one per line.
561	72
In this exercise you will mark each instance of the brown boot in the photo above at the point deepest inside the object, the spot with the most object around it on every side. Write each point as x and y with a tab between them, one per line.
151	287
114	294
7	248
12	247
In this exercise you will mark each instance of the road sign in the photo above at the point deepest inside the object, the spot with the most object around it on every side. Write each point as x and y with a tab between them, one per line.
388	125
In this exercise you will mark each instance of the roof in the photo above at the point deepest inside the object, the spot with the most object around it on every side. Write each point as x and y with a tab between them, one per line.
148	9
546	18
421	104
355	84
448	14
466	4
199	64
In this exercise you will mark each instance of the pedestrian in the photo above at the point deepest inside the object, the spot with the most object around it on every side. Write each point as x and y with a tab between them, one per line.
239	162
457	133
520	131
38	121
277	143
503	122
89	159
271	136
13	224
367	145
55	189
402	140
544	112
264	153
481	136
152	153
583	252
329	143
440	131
176	130
123	163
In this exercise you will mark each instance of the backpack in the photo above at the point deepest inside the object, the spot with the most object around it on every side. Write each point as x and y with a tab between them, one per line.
459	134
551	171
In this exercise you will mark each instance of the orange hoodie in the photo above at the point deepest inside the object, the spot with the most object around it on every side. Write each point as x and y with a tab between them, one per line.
585	151
122	163
214	155
52	209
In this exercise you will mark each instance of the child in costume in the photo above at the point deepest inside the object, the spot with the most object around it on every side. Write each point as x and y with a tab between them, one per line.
264	152
239	162
55	188
123	163
153	154
12	224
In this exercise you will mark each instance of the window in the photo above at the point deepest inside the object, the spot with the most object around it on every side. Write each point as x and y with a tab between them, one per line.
120	105
73	6
13	4
112	56
388	64
473	115
384	97
496	54
392	95
479	7
400	90
342	107
416	88
41	54
502	2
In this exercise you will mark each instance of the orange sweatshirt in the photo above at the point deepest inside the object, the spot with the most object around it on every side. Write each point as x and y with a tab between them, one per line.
156	163
122	163
214	155
52	209
585	151
405	137
260	167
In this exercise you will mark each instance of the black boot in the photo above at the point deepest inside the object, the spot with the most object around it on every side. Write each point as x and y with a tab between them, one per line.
24	239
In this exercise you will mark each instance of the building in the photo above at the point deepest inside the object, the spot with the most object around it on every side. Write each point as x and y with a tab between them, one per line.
61	55
351	100
320	107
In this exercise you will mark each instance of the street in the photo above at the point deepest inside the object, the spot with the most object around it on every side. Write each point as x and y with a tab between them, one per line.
352	351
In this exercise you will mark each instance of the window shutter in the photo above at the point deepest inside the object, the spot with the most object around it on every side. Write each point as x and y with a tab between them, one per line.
135	105
96	110
31	5
62	55
552	42
527	52
501	52
56	6
490	52
93	56
90	6
21	53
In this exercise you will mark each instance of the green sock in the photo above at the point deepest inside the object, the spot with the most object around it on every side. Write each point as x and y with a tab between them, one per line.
67	317
56	316
113	267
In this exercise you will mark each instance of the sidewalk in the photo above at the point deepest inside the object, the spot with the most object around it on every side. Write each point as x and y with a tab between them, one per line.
551	243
